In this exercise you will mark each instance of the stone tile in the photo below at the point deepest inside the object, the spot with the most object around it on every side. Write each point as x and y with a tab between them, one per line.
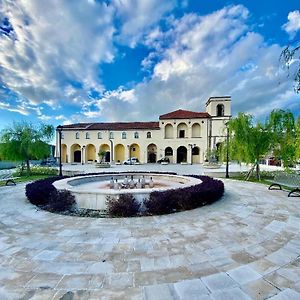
287	294
281	257
232	294
279	281
219	281
74	282
44	281
263	266
158	292
190	289
260	289
244	274
100	268
47	255
120	280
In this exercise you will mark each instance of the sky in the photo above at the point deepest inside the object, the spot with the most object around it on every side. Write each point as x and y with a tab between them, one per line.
65	62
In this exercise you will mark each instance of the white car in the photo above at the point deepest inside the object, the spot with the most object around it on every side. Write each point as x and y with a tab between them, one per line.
131	161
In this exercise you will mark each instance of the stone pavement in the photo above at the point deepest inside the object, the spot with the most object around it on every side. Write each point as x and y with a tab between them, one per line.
245	246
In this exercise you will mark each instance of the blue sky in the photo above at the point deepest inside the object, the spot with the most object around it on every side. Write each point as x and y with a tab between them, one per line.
63	62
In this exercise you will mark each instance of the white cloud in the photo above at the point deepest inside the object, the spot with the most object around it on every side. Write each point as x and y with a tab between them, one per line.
210	55
55	44
138	16
293	24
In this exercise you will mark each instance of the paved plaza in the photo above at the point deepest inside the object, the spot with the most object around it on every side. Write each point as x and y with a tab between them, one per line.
245	246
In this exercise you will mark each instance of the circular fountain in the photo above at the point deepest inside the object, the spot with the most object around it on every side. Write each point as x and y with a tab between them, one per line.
91	191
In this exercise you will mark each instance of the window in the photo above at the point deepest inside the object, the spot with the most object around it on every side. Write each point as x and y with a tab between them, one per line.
99	135
111	135
87	135
77	135
220	110
136	135
124	135
181	133
148	135
133	149
62	135
168	151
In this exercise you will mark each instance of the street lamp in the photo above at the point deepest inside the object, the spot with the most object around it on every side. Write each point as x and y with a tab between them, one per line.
111	149
227	151
59	129
82	158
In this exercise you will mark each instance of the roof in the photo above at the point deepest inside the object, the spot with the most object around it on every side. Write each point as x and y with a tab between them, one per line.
112	126
184	114
222	98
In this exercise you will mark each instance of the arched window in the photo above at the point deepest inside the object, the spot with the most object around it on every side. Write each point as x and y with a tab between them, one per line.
168	151
87	135
148	135
111	135
136	135
124	135
99	135
220	110
77	135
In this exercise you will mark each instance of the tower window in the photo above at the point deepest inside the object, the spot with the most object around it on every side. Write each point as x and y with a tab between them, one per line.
123	135
148	135
220	110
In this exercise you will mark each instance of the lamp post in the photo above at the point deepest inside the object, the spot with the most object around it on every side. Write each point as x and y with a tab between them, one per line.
82	158
59	129
227	151
111	151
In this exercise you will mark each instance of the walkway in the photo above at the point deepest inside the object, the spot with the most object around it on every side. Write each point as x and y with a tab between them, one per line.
246	246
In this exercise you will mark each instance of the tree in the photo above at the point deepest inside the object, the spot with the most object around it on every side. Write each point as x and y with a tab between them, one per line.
248	142
281	125
101	155
290	55
22	141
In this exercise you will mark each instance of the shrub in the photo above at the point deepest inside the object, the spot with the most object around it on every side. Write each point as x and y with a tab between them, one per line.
36	170
61	201
207	192
124	206
39	191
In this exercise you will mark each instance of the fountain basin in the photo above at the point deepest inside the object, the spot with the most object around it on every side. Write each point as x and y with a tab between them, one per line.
91	191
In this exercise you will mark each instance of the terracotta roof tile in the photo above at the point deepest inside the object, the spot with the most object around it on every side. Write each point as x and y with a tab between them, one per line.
184	114
113	126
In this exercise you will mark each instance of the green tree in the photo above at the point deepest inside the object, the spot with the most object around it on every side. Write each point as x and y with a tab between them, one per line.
22	141
249	142
290	56
281	125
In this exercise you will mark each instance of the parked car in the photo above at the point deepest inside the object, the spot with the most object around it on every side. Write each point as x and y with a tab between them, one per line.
131	161
164	159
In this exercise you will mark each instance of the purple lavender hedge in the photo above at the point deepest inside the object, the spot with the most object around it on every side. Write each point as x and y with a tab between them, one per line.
207	192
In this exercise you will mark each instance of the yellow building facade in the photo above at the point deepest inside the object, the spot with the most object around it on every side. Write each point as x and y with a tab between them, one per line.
182	136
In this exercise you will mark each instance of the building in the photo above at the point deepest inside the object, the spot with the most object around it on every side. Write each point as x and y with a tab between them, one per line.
182	136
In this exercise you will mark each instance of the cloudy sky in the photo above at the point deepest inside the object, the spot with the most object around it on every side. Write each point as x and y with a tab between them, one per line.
121	60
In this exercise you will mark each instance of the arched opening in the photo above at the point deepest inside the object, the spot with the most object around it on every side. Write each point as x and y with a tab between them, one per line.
149	135
182	130
64	158
135	151
119	153
152	153
169	131
220	110
76	153
90	153
196	155
196	130
181	154
104	152
169	154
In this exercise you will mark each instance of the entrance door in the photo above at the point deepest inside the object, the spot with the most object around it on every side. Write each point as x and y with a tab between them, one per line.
181	154
152	158
77	156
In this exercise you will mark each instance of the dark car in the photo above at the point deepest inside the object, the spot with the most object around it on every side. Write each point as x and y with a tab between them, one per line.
164	159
